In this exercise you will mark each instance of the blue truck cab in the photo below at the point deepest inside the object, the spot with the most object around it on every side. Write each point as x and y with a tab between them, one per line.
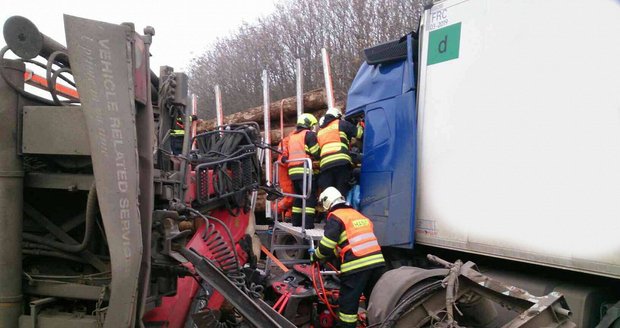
384	92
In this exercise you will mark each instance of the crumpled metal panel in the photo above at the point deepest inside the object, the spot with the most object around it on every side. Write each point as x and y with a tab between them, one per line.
100	59
461	282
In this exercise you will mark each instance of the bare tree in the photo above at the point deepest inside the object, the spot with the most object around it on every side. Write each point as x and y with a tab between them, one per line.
297	29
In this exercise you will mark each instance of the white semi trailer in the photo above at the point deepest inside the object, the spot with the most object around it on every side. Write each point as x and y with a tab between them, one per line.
511	118
520	135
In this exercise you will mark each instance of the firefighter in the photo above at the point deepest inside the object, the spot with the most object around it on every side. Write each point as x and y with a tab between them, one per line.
361	261
284	206
176	136
334	137
302	144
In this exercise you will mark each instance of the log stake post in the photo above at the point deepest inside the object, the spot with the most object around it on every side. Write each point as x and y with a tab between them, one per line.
327	74
267	139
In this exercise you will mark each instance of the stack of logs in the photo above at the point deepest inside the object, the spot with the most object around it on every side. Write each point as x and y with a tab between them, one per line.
314	103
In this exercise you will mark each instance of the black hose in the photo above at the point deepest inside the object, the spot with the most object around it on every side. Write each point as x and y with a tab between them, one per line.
52	75
19	90
53	91
230	236
233	171
29	245
60	255
92	208
44	66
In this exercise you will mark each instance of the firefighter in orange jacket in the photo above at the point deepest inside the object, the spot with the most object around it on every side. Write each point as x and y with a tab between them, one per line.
362	263
336	164
284	206
177	136
302	144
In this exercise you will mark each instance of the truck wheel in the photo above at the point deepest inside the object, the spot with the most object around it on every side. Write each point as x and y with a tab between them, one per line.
400	290
290	254
414	297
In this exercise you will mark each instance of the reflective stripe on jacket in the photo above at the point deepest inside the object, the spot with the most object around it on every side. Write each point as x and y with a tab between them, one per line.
296	151
359	233
350	232
302	144
334	144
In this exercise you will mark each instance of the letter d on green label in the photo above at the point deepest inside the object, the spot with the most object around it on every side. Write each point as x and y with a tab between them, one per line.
443	44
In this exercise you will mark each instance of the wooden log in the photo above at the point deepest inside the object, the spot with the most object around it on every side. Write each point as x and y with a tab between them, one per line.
276	135
313	100
261	198
289	126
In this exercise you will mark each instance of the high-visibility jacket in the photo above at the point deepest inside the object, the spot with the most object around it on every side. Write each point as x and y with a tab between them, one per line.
285	182
180	129
301	144
351	234
334	137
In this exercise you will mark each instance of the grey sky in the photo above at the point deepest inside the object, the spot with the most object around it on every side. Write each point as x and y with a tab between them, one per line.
183	28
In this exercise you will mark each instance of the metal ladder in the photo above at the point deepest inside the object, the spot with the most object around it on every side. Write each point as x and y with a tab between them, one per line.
284	228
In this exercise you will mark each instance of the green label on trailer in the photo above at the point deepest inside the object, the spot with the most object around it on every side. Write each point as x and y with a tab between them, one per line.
443	44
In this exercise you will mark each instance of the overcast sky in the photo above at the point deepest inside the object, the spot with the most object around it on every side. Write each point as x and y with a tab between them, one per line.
183	29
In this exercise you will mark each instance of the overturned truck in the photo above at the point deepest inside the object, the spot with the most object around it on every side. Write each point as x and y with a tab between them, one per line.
111	219
98	207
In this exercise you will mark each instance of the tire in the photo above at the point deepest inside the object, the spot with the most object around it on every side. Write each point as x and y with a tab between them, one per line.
290	254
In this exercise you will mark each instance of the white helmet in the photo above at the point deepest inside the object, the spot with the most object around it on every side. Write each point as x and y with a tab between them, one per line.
330	197
334	111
